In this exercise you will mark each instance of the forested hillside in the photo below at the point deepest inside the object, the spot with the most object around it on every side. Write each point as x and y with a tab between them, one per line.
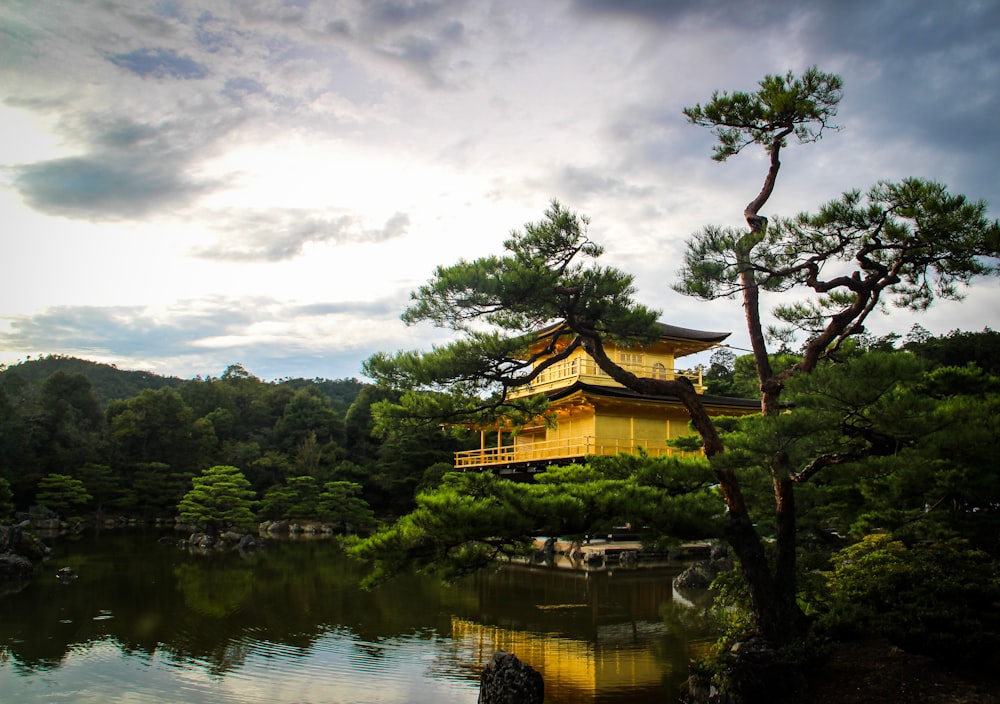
94	438
107	381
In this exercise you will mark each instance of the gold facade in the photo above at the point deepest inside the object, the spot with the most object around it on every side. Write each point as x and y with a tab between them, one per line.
591	414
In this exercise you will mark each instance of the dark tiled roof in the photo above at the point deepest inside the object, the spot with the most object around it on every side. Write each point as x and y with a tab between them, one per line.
666	330
691	334
619	392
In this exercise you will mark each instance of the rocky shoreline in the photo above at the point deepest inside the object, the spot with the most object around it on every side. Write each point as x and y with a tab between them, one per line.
22	547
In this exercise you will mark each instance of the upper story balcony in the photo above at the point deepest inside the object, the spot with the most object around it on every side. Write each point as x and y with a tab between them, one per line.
585	369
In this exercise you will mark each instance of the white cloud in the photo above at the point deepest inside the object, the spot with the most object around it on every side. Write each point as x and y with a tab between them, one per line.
174	164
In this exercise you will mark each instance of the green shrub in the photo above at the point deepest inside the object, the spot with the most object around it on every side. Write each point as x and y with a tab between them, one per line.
939	599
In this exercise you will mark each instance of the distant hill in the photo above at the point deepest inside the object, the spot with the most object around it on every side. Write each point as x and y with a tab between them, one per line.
109	382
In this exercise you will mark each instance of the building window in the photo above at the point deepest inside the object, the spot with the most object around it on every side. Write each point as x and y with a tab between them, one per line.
659	371
630	359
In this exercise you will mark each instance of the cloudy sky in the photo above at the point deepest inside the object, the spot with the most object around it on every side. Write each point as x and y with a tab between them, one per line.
189	184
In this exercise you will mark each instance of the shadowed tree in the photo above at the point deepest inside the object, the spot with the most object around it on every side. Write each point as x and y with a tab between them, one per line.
103	486
297	498
341	503
67	429
6	500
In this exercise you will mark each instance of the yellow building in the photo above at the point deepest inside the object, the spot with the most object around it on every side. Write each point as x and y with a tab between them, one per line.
595	415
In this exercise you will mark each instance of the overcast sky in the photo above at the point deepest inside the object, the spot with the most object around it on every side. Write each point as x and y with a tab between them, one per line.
188	185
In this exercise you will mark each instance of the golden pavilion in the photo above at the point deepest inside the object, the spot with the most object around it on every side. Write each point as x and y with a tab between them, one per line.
591	414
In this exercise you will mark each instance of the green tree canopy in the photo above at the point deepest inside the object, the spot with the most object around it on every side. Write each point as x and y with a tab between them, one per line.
67	428
155	426
341	503
470	519
221	497
102	484
62	493
549	275
782	107
297	498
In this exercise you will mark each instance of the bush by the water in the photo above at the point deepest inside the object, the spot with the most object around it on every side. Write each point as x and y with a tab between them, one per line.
939	599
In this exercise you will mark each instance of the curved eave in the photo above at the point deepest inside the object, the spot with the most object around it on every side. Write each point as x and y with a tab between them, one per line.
743	405
667	331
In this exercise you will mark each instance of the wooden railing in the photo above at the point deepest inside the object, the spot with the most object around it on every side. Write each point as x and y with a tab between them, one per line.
586	370
552	450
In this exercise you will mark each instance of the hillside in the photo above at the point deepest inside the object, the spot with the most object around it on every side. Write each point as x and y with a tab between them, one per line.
109	382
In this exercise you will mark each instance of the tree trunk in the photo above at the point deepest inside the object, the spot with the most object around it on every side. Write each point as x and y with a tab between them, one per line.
776	613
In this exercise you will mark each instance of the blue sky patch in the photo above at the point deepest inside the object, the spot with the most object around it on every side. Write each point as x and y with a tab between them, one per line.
160	63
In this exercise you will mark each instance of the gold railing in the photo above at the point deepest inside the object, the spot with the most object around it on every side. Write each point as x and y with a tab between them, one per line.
550	450
586	370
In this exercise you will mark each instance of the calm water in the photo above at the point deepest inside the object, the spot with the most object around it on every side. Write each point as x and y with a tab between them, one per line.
148	623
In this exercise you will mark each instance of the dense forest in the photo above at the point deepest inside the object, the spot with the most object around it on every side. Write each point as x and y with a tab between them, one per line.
84	438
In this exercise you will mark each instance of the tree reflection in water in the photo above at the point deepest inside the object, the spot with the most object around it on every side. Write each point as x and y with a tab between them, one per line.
289	623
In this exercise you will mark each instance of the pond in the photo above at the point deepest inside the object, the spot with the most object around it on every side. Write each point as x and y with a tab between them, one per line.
149	623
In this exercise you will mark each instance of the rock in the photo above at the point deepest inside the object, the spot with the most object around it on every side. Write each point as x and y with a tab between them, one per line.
66	574
246	543
19	540
279	527
15	567
699	575
41	512
20	551
201	540
547	554
507	680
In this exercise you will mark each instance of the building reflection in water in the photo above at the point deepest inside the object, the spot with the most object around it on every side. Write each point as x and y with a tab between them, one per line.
605	637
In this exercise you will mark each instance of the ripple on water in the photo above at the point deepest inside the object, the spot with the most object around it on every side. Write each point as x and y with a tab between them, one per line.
335	667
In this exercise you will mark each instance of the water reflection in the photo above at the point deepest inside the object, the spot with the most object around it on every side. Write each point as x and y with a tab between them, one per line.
601	637
148	622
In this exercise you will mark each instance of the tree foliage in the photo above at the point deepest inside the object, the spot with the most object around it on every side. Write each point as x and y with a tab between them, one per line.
782	107
935	598
138	456
62	493
957	349
221	497
471	519
297	498
341	503
6	500
549	275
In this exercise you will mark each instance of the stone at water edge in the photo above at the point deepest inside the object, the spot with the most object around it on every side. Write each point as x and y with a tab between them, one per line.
507	680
